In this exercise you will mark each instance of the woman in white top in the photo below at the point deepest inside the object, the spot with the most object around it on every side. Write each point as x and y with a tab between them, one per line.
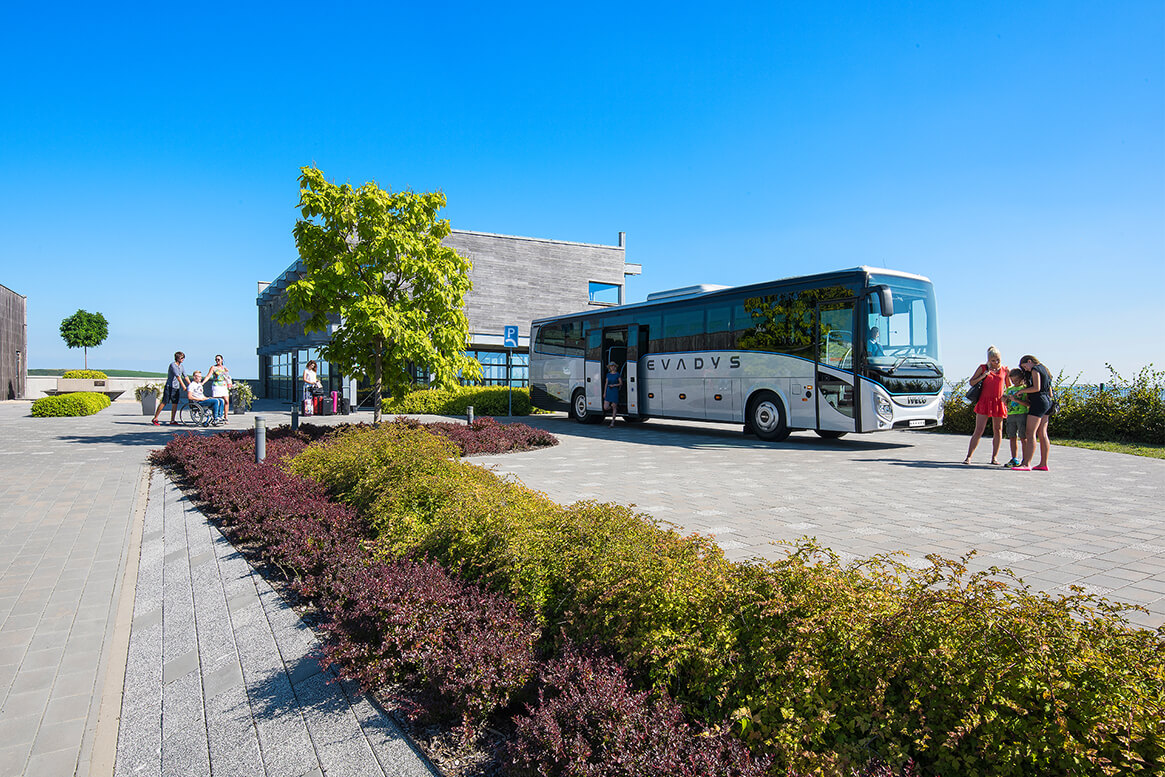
220	383
310	379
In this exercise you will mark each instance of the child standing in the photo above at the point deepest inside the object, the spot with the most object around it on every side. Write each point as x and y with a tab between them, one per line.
1015	426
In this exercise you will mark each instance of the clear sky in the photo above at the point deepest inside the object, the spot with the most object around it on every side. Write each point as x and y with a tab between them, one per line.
1012	152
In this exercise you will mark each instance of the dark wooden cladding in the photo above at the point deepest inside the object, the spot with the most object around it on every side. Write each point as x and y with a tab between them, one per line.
13	344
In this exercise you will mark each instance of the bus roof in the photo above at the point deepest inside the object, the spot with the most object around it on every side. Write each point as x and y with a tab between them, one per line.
690	292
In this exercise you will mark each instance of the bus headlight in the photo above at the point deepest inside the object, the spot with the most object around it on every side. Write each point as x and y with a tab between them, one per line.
883	406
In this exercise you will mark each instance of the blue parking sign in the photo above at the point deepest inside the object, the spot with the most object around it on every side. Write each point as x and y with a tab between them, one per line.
511	336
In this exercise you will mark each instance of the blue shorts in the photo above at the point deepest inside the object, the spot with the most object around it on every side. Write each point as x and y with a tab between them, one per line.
1040	405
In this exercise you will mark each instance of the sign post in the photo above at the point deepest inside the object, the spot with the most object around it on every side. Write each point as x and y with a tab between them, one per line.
511	342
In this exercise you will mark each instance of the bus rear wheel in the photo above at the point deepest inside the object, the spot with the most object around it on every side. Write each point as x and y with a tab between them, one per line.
830	434
578	409
766	417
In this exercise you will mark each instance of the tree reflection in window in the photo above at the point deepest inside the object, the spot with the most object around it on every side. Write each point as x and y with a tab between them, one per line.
783	323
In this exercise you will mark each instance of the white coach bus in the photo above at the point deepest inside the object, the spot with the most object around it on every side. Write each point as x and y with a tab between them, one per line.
847	351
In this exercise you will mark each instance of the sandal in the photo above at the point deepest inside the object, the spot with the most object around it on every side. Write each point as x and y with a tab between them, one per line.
155	422
1021	469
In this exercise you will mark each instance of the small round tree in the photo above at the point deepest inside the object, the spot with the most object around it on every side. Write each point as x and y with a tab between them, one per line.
84	330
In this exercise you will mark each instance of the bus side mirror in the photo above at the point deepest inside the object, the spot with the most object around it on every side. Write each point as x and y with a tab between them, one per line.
885	300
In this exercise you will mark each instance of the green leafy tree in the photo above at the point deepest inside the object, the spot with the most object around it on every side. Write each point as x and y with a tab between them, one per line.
375	258
84	330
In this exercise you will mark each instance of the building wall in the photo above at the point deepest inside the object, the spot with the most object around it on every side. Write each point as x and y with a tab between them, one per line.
519	279
13	344
515	280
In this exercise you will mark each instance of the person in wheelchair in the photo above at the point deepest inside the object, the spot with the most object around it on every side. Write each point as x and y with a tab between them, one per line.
197	396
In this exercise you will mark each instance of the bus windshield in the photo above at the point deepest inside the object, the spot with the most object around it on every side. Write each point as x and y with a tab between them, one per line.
906	343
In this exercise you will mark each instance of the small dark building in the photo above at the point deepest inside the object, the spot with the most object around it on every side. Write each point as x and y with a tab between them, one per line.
13	344
515	280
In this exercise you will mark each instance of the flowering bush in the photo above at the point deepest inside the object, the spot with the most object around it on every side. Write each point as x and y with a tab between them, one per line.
485	400
589	722
1124	411
409	621
85	374
76	403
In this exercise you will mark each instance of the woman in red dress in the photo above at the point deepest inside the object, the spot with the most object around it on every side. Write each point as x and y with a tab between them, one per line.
993	376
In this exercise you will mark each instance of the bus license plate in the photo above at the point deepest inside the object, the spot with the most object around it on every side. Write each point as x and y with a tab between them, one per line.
918	422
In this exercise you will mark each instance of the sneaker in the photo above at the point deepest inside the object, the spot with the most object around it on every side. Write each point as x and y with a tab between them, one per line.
1011	464
155	422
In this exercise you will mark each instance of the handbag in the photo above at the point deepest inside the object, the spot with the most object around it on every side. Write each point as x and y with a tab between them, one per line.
974	392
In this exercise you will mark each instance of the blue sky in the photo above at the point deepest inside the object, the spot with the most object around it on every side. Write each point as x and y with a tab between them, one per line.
1012	152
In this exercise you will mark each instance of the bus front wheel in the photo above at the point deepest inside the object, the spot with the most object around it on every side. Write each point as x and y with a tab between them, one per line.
578	409
766	417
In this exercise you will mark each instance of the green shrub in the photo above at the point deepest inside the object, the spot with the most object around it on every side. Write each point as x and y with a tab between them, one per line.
86	375
823	665
486	400
73	404
1125	411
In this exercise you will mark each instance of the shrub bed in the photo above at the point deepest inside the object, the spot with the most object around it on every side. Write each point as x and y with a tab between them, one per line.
73	404
486	401
589	722
85	374
824	666
1125	411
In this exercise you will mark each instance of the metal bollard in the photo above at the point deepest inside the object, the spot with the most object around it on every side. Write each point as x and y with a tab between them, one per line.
469	414
294	417
260	439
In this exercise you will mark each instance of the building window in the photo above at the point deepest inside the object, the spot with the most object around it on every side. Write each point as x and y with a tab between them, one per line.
604	293
493	368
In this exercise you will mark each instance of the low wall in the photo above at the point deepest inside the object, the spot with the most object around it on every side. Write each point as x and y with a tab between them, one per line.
39	385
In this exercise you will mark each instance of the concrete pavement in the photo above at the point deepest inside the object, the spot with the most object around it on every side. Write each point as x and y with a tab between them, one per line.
133	640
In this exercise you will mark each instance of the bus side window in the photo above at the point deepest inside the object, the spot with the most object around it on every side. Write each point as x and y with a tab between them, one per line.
719	328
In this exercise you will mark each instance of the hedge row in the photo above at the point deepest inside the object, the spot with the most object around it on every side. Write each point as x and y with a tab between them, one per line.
485	400
85	374
822	665
73	404
1125	411
467	651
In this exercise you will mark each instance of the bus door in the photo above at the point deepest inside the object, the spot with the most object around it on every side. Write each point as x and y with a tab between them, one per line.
615	350
834	349
631	397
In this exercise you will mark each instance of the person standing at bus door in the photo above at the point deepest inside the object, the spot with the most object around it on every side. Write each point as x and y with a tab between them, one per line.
1039	395
993	376
872	347
614	382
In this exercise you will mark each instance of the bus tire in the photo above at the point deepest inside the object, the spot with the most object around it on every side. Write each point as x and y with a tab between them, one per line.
766	417
578	408
830	434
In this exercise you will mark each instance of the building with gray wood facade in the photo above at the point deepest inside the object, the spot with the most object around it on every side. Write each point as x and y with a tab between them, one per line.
515	280
13	344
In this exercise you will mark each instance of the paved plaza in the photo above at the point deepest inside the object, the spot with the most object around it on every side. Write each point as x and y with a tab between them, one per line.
134	640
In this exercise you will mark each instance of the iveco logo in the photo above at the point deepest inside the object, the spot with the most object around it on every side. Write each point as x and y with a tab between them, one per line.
913	400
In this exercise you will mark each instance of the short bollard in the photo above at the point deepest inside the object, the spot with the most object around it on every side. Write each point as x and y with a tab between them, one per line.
260	439
294	417
469	415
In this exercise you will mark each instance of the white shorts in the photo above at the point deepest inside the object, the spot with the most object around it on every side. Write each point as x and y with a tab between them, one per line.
220	391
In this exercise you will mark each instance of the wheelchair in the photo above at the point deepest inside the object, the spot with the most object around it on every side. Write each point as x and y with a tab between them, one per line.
194	413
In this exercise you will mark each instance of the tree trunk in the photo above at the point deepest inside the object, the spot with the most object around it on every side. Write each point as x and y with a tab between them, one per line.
86	349
378	383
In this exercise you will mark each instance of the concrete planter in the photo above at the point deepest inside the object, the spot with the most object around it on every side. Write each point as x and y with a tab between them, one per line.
149	403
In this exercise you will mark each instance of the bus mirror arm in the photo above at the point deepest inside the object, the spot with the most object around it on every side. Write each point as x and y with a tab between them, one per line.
885	300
